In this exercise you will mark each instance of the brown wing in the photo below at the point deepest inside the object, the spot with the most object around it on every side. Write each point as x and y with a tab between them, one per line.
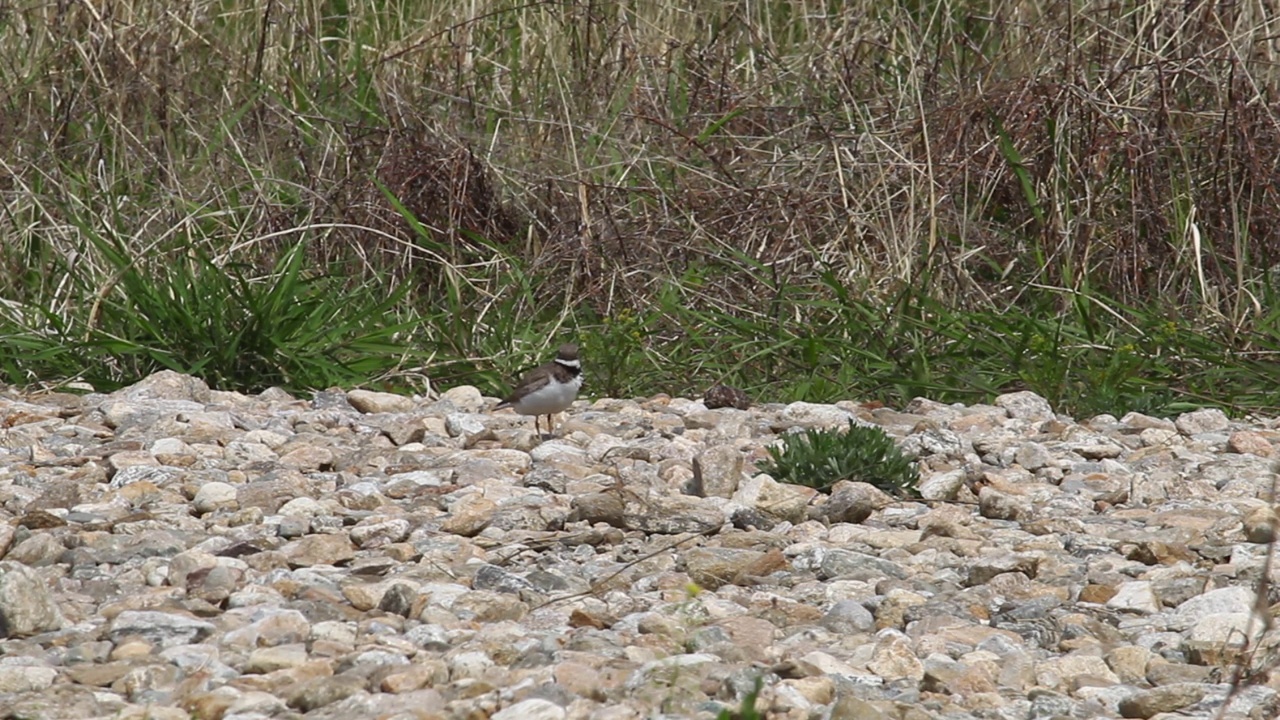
534	381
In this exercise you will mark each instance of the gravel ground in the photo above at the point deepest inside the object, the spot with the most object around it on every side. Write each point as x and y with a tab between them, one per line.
172	552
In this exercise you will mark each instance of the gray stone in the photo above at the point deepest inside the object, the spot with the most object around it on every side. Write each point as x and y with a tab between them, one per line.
40	550
722	470
942	485
1206	420
1033	456
1221	600
848	616
26	678
27	607
1025	405
158	628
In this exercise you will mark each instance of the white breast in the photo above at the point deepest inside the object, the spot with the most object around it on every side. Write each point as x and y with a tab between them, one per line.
550	398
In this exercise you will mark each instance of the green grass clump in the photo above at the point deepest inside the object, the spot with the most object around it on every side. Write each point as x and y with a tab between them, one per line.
821	458
235	325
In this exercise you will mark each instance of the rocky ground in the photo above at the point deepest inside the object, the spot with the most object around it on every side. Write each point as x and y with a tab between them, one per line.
171	552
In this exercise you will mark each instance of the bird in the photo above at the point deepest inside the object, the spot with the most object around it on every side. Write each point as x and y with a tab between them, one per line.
547	389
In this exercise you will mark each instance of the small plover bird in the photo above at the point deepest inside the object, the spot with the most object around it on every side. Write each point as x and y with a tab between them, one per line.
547	389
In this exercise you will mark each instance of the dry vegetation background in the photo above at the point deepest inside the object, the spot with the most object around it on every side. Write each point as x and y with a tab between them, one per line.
809	199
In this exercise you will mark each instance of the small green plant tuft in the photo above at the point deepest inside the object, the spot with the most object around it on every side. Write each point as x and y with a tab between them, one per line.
821	458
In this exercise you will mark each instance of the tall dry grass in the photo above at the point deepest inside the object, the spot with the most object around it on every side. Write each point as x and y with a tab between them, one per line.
756	156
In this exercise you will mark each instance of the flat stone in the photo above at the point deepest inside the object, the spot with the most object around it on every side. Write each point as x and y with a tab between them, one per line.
1135	596
1253	443
1202	421
532	709
1166	699
714	567
158	628
26	678
372	402
319	549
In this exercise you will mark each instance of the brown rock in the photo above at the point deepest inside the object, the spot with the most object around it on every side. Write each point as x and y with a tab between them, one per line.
1162	672
319	692
752	634
583	618
1260	525
853	502
719	469
893	659
469	515
722	396
97	675
715	567
602	507
1152	552
319	549
1001	506
40	520
1146	703
430	673
1099	594
1247	441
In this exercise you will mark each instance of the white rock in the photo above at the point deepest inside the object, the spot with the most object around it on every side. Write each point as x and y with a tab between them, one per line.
531	709
215	496
1025	405
369	402
464	397
1222	600
813	415
26	678
1135	596
1206	420
301	507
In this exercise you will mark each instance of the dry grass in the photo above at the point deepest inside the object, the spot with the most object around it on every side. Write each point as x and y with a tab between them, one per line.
980	151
